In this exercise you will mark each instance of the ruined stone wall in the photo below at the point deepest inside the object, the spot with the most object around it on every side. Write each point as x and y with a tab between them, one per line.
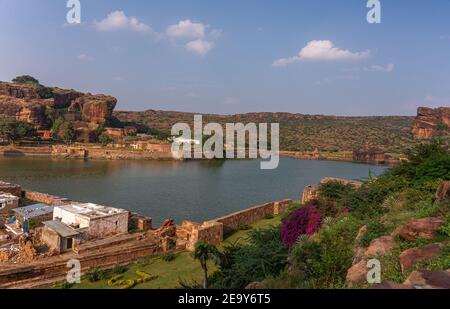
213	231
102	259
45	198
11	188
25	151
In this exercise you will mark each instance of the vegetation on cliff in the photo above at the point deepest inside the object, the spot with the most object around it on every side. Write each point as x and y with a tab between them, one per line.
320	248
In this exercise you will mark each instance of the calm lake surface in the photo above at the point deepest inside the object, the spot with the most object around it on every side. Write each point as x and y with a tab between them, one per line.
196	190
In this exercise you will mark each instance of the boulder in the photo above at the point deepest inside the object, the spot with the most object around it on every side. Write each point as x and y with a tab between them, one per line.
388	285
427	279
380	246
357	274
421	228
443	192
411	257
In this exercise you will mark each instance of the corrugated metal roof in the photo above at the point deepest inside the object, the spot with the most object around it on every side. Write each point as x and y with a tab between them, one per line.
60	228
33	211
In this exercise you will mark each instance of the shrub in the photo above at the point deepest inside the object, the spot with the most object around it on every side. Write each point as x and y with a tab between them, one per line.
324	261
306	220
335	190
374	230
95	275
264	255
168	257
66	285
25	79
119	269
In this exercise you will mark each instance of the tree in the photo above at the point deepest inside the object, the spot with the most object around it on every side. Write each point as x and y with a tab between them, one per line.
7	130
25	130
69	134
25	79
57	127
12	130
205	252
104	139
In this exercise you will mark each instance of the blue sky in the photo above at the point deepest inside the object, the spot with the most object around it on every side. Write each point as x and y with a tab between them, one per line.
233	56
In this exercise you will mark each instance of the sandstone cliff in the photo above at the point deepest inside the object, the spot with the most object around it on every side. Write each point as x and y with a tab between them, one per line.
38	105
430	122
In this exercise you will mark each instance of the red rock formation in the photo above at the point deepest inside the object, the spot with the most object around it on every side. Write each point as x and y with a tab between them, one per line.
94	108
63	97
411	257
34	114
370	155
431	122
424	228
20	91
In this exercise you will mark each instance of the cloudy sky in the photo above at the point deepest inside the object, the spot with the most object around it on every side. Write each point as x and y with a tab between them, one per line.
232	56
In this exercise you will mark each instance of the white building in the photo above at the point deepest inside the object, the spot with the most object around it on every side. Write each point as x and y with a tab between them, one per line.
8	202
96	220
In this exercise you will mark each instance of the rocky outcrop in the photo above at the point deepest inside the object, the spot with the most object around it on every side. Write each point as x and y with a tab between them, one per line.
357	274
413	256
37	104
424	228
427	279
431	122
63	98
443	192
370	155
95	109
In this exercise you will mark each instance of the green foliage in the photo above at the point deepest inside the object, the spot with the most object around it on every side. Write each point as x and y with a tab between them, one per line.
322	262
66	285
104	139
57	127
118	269
263	255
374	230
12	130
425	162
335	190
244	227
69	134
204	252
95	275
25	79
168	257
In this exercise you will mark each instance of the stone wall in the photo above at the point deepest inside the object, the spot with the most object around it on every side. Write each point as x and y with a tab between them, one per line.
19	151
45	198
311	192
11	188
213	231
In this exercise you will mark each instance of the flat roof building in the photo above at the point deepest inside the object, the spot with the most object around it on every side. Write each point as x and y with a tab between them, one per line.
8	202
100	221
36	212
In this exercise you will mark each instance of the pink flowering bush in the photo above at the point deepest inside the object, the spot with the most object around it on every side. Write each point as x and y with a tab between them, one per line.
306	220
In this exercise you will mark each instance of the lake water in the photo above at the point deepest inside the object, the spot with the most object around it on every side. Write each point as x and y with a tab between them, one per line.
194	190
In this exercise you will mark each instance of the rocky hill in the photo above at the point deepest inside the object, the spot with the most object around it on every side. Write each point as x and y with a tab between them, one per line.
431	123
301	132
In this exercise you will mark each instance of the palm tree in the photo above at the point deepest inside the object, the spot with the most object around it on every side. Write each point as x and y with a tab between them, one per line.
205	252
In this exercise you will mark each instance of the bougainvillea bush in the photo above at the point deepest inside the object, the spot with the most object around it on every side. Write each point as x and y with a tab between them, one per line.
306	220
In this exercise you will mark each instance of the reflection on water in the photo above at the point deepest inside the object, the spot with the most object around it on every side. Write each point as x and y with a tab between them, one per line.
195	190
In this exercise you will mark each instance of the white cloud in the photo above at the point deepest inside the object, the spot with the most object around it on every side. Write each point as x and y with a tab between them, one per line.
117	21
186	29
379	68
85	57
200	47
196	37
321	51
